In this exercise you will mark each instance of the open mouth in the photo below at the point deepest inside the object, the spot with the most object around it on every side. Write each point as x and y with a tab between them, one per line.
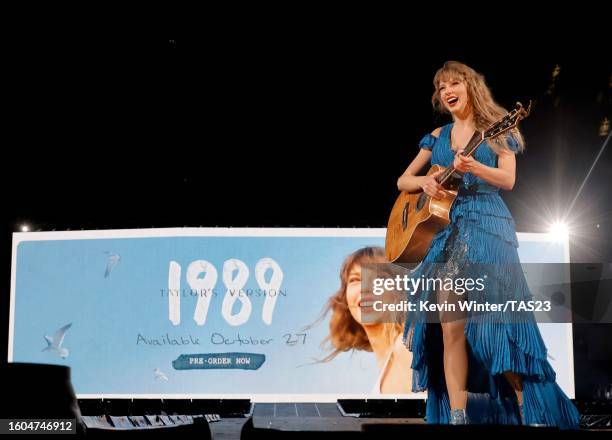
367	301
452	101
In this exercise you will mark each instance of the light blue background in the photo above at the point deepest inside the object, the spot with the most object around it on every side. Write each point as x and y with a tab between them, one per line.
62	281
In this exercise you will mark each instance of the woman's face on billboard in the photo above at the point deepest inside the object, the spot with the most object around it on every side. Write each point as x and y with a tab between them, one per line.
359	302
353	292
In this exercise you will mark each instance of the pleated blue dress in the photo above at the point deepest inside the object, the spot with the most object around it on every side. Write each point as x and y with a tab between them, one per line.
482	231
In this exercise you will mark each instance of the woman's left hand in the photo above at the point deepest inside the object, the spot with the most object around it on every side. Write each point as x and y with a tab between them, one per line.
465	164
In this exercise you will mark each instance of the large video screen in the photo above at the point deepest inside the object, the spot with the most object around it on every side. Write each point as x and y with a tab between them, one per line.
264	314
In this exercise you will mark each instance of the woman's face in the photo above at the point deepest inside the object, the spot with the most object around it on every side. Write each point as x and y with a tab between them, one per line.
360	303
454	96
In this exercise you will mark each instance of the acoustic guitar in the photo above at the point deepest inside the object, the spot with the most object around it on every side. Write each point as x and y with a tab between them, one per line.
417	217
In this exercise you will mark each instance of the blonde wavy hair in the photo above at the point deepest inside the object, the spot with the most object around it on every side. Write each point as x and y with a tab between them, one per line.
486	110
345	333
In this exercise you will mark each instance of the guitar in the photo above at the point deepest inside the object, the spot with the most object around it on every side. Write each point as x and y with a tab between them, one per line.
417	217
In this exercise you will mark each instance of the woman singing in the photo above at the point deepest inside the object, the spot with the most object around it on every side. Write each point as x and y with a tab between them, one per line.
505	360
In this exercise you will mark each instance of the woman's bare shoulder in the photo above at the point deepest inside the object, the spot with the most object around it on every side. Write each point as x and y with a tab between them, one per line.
436	132
401	351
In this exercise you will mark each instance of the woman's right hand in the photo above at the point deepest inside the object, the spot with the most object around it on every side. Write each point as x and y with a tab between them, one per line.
431	187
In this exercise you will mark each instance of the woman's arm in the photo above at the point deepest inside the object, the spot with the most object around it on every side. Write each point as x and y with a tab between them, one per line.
409	181
504	176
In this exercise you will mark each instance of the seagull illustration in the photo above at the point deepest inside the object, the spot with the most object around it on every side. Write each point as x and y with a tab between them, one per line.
54	343
113	260
159	375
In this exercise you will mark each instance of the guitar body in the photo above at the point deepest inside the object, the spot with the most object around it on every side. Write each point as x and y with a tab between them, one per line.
414	221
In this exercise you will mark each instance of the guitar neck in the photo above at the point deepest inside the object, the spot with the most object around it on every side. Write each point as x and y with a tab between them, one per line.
470	149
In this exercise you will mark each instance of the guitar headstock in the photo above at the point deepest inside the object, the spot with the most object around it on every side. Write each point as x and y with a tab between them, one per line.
508	122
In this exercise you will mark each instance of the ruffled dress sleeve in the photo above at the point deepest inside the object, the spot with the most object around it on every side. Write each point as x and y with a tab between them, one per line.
428	141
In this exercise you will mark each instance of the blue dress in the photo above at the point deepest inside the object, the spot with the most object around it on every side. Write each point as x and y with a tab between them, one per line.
482	231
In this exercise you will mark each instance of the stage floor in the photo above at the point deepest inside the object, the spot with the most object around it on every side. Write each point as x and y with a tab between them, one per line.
298	417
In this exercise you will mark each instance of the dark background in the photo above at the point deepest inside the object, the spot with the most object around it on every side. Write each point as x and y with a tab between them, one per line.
268	130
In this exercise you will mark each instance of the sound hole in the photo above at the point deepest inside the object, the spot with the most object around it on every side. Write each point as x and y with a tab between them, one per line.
421	201
405	217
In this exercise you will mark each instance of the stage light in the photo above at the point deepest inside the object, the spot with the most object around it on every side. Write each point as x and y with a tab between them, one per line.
559	231
25	228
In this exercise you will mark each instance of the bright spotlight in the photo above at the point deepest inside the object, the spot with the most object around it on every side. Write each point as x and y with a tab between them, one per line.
25	228
559	231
